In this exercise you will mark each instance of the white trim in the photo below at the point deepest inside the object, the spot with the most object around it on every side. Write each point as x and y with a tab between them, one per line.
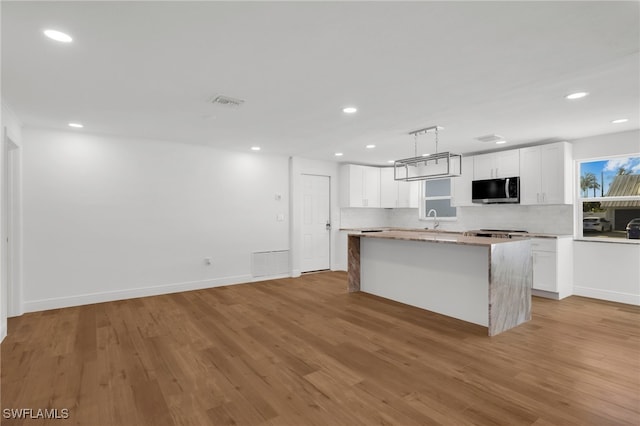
606	198
611	296
267	278
110	296
607	240
3	331
546	294
339	267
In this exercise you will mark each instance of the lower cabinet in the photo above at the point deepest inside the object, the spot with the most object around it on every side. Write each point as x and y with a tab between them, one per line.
552	267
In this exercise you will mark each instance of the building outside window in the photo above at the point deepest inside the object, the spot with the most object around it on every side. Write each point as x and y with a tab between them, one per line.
609	193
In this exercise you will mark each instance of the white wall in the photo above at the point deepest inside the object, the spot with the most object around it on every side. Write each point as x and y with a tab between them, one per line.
10	128
108	218
298	167
606	271
606	145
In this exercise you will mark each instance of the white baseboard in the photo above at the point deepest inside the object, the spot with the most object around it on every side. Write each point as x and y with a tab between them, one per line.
611	296
110	296
545	294
272	277
339	267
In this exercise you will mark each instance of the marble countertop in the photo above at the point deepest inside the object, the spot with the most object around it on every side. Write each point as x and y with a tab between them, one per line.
444	232
435	237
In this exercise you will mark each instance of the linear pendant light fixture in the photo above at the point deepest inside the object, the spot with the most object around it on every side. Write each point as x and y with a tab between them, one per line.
433	166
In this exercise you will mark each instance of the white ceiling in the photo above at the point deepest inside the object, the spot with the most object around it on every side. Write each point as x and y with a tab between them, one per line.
148	69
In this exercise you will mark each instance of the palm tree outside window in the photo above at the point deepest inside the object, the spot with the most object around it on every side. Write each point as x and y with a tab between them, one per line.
609	195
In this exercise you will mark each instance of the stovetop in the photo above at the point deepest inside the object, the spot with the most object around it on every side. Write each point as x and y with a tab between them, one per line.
495	233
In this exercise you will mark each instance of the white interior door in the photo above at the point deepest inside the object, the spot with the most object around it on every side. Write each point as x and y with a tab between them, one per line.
316	223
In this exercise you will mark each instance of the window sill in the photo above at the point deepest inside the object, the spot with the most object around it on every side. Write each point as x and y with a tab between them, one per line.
608	240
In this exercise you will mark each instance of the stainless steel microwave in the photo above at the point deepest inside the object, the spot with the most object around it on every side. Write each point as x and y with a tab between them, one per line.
496	191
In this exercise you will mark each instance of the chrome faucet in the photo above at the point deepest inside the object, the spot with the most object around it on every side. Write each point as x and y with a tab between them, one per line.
436	222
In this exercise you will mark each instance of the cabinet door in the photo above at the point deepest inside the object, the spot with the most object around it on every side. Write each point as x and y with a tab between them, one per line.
552	174
507	163
483	166
388	188
415	194
544	271
461	185
404	193
530	189
356	186
371	186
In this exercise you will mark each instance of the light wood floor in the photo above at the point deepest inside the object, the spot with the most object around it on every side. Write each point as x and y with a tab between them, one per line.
305	352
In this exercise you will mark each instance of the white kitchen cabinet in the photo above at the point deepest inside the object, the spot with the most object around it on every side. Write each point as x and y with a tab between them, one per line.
394	193
359	186
388	188
501	164
545	174
552	260
461	185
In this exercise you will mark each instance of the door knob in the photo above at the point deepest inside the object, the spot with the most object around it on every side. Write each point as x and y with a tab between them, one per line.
328	226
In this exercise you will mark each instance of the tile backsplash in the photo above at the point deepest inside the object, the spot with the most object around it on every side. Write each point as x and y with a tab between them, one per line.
554	219
366	218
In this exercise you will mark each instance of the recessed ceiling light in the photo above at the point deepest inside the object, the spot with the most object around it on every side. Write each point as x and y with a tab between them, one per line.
58	36
349	110
500	142
338	154
620	120
255	148
370	146
76	125
391	161
577	95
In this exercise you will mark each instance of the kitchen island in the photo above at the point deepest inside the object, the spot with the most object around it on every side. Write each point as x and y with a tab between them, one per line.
485	281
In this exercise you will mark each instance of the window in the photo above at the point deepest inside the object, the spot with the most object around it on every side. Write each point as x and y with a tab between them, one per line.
609	194
436	194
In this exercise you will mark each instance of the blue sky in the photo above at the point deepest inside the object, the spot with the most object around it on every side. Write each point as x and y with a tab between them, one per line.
608	170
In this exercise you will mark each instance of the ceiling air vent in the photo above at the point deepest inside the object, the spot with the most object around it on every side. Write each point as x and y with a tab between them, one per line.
226	101
490	138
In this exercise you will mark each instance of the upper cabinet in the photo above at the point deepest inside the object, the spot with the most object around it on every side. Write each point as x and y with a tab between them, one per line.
501	164
545	174
360	186
395	193
461	185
